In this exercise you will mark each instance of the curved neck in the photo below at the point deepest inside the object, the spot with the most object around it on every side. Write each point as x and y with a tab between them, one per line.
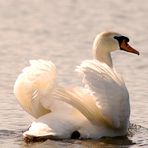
104	57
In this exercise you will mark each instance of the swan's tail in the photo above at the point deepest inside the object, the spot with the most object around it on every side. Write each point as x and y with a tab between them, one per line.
34	84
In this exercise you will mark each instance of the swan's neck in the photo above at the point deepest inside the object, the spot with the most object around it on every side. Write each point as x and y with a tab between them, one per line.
104	57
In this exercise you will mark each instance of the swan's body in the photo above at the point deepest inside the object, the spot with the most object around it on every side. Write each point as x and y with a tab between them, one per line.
99	109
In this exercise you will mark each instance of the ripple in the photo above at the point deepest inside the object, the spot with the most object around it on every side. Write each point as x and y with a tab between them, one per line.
137	136
9	134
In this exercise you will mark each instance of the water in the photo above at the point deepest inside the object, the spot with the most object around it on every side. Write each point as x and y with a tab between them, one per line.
63	31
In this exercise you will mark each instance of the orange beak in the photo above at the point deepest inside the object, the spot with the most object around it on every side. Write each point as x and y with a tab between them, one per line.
126	47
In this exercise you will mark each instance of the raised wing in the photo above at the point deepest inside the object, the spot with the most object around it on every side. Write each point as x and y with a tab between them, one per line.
104	100
108	89
34	85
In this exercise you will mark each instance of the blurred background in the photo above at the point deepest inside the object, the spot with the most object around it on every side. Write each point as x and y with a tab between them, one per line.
63	32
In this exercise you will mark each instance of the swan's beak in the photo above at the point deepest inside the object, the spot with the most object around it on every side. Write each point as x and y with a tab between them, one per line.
126	47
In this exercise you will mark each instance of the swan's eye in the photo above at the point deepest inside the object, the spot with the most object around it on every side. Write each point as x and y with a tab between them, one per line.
121	38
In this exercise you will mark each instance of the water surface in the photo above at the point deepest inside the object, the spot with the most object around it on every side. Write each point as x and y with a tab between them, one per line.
63	31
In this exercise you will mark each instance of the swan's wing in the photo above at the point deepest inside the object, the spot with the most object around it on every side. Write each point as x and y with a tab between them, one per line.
34	85
101	100
107	87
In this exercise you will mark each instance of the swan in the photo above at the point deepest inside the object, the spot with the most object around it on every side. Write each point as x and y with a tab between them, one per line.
99	109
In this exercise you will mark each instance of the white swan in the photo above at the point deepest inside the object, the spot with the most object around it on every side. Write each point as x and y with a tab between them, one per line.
99	109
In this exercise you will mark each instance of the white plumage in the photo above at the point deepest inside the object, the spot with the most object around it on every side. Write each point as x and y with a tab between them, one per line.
100	108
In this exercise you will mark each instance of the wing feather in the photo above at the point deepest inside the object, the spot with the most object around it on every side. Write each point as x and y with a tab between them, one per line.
34	85
102	98
108	88
80	99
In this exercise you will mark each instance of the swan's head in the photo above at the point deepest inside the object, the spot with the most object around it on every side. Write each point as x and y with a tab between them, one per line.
110	41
